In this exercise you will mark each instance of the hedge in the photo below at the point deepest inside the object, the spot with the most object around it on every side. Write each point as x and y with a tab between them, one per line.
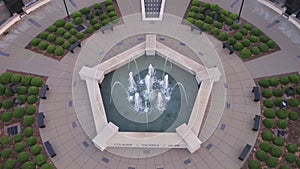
254	164
214	31
223	36
277	102
76	14
2	89
59	23
292	148
278	141
28	120
32	99
7	104
97	6
238	46
19	147
244	31
28	165
105	22
209	20
245	54
231	41
277	92
110	8
293	116
255	50
93	21
73	31
298	90
59	41
96	26
267	93
46	166
246	42
78	21
235	26
67	35
218	25
194	9
5	140
26	80
268	103
256	32
66	45
59	51
228	21
238	36
6	117
293	102
80	36
8	92
282	124
28	131
31	141
85	10
10	164
253	39
35	41
5	77
272	162
50	49
73	40
284	166
196	3
206	27
298	162
284	80
271	44
43	45
248	26
61	31
263	47
18	113
6	153
30	110
267	135
261	155
35	150
290	158
282	114
104	16
90	30
294	78
22	157
40	159
268	123
18	138
52	28
43	35
264	39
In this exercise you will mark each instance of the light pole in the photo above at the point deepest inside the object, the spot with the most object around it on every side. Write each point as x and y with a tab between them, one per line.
67	10
241	7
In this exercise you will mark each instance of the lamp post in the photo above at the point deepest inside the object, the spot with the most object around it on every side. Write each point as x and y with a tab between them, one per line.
241	7
67	10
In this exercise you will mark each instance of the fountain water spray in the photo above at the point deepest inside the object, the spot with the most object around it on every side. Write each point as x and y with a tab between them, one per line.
132	84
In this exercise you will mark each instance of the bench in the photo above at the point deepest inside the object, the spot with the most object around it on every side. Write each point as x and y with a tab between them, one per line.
255	90
196	28
107	27
41	117
73	46
228	46
49	149
245	152
43	92
256	125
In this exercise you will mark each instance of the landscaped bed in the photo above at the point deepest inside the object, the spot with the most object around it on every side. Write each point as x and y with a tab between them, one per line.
278	143
55	41
20	142
248	41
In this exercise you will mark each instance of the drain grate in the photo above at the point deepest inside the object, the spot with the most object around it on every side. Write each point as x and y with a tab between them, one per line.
4	54
223	127
104	159
73	3
209	146
70	103
188	161
85	144
74	124
225	85
228	105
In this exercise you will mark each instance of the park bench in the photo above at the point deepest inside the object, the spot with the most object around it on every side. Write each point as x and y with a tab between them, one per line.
73	46
196	28
49	149
107	27
245	152
256	125
228	46
43	91
255	90
41	117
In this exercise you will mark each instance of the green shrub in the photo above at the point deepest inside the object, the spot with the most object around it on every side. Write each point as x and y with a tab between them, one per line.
28	131
66	45
59	51
248	26
253	39
246	42
103	16
40	160
201	17
271	44
93	21
278	141
238	36
223	36
80	36
10	164
228	21
214	31
254	164
59	23
194	9
294	78
31	141
73	31
8	92
6	117
43	45
35	41
261	155
18	113
6	153
2	89
234	16
290	158
76	14
22	98
19	147
90	30
245	54
231	41
46	166
277	102
206	27
85	10
73	40
97	6
284	166
26	80
78	21
60	31
276	151
67	35
264	39
214	7
218	25
5	140
114	19
189	20
50	49
44	35
238	46
37	81
35	150
267	93
191	14
268	123
263	47
255	50
273	82
292	148
224	12
293	116
59	41
298	162
96	26
52	28
284	80
108	2
28	165
267	135
235	26
272	162
105	22
110	8
244	31
7	104
256	32
22	157
51	37
5	78
28	120
18	138
281	124
209	20
196	3
293	102
282	114
30	110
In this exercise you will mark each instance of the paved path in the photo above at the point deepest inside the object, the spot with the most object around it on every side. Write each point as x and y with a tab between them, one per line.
72	144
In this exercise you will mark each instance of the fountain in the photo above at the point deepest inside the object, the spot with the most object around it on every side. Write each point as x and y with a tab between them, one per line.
132	84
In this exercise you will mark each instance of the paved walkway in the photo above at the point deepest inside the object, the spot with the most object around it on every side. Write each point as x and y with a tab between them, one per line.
72	144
